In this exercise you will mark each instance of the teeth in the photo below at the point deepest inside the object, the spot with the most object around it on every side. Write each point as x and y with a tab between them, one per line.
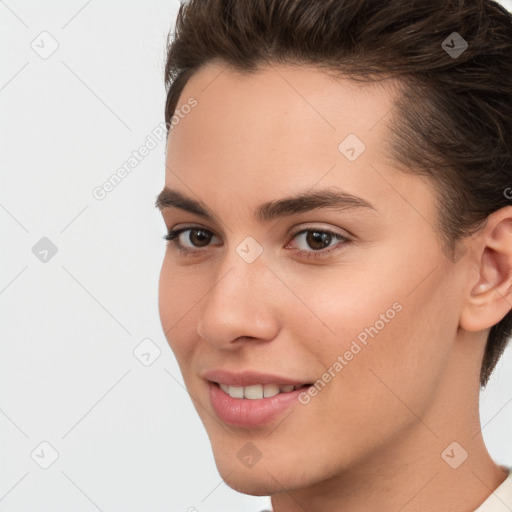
270	390
253	392
236	392
257	391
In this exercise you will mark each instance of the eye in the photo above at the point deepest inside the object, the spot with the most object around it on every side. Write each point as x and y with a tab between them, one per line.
317	239
197	234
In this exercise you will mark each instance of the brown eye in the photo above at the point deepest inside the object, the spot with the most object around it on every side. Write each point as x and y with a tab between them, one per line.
318	239
199	237
317	243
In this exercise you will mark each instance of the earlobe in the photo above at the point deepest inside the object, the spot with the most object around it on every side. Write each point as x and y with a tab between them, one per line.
490	295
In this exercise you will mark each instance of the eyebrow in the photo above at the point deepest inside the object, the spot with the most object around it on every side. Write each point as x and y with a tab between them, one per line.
277	208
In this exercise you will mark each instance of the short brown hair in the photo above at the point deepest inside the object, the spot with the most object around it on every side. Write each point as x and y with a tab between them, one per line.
452	120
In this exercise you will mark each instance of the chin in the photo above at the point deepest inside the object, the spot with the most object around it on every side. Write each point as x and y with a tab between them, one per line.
253	482
262	479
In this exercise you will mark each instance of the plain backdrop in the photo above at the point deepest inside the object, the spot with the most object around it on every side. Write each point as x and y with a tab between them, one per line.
93	413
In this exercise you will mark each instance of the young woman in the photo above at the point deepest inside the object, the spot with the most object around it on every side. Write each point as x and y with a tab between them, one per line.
337	282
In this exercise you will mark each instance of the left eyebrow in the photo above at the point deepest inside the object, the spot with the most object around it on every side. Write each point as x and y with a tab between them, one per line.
277	208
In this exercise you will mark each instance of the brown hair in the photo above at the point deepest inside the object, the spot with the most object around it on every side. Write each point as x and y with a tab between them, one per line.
452	120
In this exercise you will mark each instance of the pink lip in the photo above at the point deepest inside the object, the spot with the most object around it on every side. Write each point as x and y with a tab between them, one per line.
248	378
245	413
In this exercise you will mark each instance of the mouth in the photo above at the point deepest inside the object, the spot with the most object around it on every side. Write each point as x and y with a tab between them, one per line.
253	406
250	398
258	391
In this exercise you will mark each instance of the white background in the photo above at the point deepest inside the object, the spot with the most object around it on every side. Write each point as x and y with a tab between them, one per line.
127	435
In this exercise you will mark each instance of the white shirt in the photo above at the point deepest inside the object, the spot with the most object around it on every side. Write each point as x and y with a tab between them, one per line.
501	498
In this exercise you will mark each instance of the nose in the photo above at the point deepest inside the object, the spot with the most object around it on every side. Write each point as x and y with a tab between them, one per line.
239	305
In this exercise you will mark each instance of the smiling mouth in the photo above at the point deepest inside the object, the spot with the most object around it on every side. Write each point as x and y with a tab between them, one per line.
259	391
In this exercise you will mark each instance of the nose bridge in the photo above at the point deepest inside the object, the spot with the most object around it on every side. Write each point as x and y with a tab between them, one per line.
242	269
236	305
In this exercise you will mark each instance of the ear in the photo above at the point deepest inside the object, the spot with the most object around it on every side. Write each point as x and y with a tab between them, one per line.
490	295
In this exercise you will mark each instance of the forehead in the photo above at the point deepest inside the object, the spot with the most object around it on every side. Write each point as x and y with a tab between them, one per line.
288	100
254	137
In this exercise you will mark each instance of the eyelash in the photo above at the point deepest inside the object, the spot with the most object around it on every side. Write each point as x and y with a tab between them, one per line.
173	239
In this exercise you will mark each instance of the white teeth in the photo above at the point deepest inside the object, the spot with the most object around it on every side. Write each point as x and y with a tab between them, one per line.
253	392
270	390
257	391
236	391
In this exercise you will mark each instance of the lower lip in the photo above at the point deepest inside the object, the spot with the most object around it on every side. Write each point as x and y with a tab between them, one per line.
247	413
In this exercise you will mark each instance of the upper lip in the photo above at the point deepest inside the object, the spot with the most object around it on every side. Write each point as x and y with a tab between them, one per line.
248	378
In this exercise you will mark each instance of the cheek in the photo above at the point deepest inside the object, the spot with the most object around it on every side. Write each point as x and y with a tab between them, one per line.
176	297
394	345
391	336
384	378
166	302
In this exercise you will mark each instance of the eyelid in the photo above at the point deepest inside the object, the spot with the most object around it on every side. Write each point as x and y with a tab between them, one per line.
322	229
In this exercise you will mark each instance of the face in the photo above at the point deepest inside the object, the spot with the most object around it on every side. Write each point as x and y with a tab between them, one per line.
350	301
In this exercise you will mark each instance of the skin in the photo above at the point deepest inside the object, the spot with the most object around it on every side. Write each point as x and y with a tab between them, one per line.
372	439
